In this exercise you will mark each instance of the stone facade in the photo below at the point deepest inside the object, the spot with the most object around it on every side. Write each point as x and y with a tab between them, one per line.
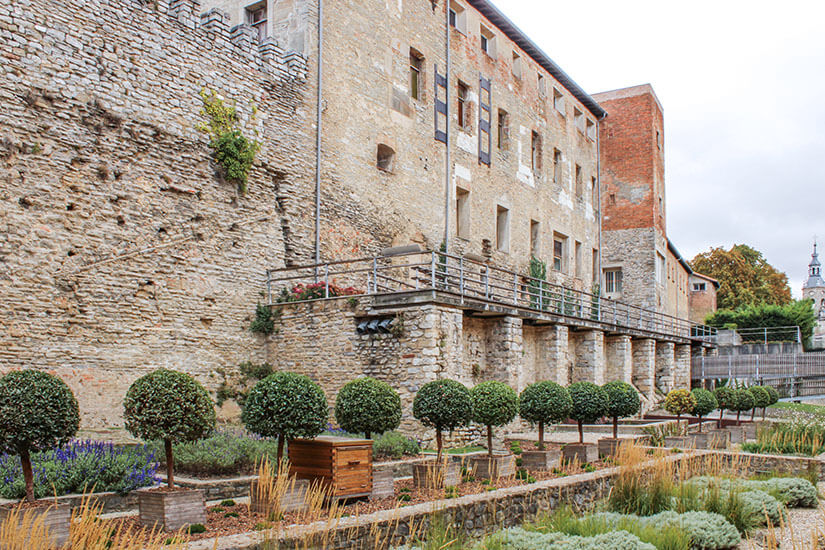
814	289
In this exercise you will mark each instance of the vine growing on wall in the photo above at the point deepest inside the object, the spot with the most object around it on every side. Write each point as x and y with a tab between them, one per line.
236	385
264	321
234	152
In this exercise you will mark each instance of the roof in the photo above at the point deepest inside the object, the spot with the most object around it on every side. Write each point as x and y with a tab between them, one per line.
711	280
672	248
631	91
494	15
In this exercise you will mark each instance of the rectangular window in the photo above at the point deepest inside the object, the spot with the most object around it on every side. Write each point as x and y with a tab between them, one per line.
535	236
416	65
502	229
594	266
558	101
462	212
488	41
594	193
516	65
542	85
503	130
578	119
612	281
556	166
699	287
535	152
463	114
559	246
590	129
660	269
578	258
579	191
458	17
256	17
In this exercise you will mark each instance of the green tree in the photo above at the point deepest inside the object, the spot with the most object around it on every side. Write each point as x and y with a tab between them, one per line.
761	398
543	403
679	402
623	401
705	404
799	313
444	405
745	277
368	405
726	399
590	402
494	404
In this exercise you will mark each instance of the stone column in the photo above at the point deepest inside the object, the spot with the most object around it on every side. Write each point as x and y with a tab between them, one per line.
588	363
505	355
664	366
618	355
681	366
644	365
556	345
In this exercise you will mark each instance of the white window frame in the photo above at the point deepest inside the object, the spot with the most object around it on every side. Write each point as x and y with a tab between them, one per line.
486	34
613	280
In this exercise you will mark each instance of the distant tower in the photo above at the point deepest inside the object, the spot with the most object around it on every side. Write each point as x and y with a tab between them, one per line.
814	288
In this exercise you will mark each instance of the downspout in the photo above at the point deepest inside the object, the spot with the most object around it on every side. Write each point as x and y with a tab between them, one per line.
599	195
318	135
447	168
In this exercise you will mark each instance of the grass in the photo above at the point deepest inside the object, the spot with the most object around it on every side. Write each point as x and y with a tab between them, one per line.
797	437
799	407
459	450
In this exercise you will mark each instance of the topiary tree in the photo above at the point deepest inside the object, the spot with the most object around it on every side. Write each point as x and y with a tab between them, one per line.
679	402
761	398
368	405
544	403
494	404
774	395
285	405
590	402
725	398
168	405
622	401
443	405
38	412
705	404
742	401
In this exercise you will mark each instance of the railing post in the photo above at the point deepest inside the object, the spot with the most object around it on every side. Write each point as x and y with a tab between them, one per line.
432	268
765	330
375	275
461	276
326	281
562	301
487	282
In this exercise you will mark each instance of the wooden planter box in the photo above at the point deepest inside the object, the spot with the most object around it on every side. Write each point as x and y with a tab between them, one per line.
680	442
382	484
495	467
342	464
432	475
171	510
292	499
540	460
583	452
56	520
718	439
609	446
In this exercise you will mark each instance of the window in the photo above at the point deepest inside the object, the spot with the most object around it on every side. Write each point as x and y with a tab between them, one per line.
699	287
590	129
556	166
594	266
458	17
660	268
503	129
578	119
488	41
463	114
658	139
612	280
516	65
579	190
542	86
535	236
559	244
462	212
612	199
385	158
594	193
558	101
256	17
578	258
535	152
416	65
502	229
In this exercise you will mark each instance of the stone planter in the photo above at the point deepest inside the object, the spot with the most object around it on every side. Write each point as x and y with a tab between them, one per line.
609	447
540	460
382	484
749	431
293	497
736	434
582	452
433	475
171	510
495	467
701	440
718	439
679	442
56	520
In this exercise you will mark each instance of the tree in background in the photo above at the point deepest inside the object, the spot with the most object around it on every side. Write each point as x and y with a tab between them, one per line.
745	277
799	313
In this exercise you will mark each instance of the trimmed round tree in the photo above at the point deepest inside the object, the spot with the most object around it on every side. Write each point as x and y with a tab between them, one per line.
742	401
286	405
774	395
494	404
679	402
705	404
590	402
725	398
367	406
443	405
545	403
761	398
623	401
38	412
171	406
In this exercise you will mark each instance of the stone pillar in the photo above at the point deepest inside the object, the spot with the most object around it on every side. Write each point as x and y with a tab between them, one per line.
557	355
644	365
588	363
618	355
699	351
681	366
505	355
664	366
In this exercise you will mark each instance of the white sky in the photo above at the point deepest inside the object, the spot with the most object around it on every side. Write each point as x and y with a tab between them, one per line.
743	90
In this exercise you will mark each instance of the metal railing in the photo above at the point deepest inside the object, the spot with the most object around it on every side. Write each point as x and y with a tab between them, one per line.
468	279
770	335
793	374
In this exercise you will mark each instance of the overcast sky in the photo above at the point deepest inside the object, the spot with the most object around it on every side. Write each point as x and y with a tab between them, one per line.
743	90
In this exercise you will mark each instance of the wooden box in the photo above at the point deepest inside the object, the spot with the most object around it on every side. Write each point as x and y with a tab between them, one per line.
171	510
55	521
338	462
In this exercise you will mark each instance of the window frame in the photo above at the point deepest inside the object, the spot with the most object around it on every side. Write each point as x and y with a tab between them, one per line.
416	74
261	25
613	280
462	99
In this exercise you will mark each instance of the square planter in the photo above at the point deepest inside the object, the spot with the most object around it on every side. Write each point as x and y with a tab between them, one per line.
56	520
609	447
293	497
679	442
718	439
583	452
432	475
701	440
737	434
382	484
495	467
540	460
749	431
171	510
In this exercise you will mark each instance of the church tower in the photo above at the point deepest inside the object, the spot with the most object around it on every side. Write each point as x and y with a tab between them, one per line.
814	288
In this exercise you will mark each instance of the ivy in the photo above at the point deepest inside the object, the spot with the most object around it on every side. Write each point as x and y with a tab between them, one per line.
264	322
233	151
236	386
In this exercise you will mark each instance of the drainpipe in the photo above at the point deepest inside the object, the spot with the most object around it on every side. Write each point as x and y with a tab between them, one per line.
599	196
448	184
318	136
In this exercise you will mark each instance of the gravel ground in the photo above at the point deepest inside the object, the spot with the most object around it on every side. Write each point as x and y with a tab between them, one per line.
801	533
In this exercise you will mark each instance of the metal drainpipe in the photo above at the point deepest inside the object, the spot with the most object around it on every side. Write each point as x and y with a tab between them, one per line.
447	169
318	136
599	196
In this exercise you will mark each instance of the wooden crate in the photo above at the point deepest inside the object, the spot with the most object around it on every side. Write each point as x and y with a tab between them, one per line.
339	462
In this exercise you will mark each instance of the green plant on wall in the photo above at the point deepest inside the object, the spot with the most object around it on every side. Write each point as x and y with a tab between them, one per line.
236	385
233	150
537	286
264	321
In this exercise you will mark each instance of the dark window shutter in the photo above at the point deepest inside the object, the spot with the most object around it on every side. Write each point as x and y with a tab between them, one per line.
485	116
440	111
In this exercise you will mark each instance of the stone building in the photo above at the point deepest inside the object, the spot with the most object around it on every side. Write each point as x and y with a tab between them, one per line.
814	289
702	300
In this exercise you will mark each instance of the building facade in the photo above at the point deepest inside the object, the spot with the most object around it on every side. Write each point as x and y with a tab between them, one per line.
814	289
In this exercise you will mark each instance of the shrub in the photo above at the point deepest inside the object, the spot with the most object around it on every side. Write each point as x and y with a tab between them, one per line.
395	445
494	404
706	531
742	401
590	402
725	398
803	435
679	402
705	403
443	405
285	405
517	538
760	505
793	492
38	412
773	394
196	528
367	406
544	403
761	398
622	401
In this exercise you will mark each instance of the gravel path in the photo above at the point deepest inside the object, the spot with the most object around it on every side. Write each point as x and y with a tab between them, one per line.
802	532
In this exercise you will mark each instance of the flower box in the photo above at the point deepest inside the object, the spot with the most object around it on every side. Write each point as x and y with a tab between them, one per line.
171	509
56	519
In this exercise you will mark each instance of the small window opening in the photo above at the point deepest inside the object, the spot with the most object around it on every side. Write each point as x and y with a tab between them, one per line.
594	192
556	166
503	129
613	280
256	17
416	66
458	17
535	236
558	252
578	257
385	158
462	211
516	65
558	101
502	229
579	190
542	85
463	114
535	152
488	41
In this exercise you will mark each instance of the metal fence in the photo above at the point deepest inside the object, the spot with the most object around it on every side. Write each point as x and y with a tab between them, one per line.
770	335
468	279
793	374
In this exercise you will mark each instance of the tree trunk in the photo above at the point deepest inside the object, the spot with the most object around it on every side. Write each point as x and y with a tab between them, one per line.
700	424
26	461
615	427
763	413
679	423
438	444
280	450
581	432
541	436
753	410
170	463
367	435
738	422
490	441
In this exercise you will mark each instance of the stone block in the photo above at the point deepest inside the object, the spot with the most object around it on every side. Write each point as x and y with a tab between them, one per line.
718	439
680	442
433	475
382	484
495	467
737	434
540	460
171	510
581	452
609	446
56	520
749	430
291	498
